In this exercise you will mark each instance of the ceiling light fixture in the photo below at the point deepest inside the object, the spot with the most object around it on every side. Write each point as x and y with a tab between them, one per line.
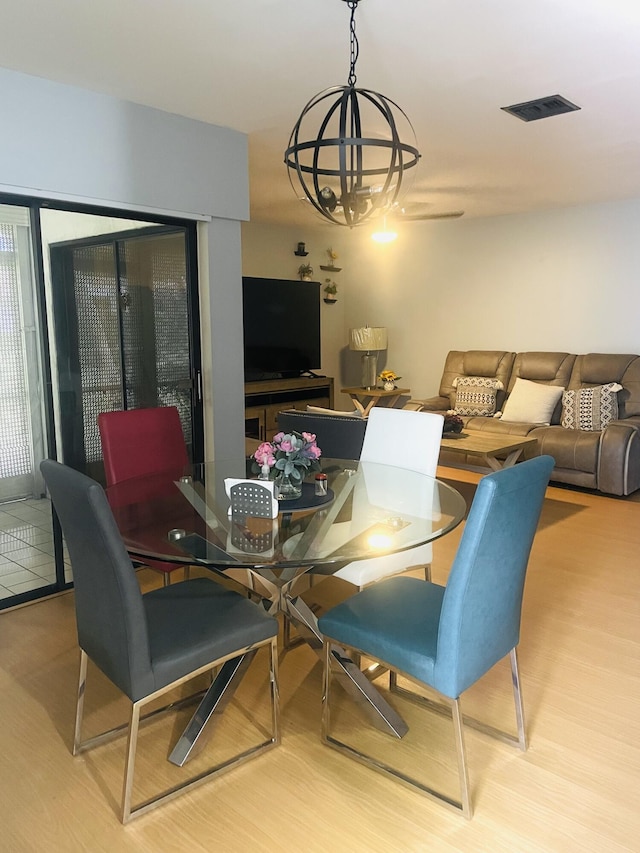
384	236
346	174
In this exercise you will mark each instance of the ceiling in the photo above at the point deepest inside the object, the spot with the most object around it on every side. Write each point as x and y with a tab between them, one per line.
450	64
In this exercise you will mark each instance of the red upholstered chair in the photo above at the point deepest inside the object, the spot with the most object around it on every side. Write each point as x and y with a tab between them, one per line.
143	441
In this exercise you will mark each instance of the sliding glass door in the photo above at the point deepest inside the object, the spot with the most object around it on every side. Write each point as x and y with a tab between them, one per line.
21	400
28	566
97	312
122	315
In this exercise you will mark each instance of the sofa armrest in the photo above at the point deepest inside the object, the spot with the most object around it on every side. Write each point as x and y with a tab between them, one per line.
633	421
619	462
433	404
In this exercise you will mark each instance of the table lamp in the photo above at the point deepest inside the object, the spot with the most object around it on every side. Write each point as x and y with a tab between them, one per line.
368	340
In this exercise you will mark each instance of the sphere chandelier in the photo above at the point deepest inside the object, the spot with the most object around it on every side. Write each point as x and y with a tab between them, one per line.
347	175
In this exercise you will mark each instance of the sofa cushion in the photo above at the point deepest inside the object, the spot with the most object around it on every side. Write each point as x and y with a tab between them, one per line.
496	364
597	368
590	409
531	402
551	368
476	395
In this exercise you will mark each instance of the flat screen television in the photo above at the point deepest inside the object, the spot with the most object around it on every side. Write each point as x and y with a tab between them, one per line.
281	327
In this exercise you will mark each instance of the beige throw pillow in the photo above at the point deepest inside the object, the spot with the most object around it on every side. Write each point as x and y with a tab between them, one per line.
590	409
476	395
531	402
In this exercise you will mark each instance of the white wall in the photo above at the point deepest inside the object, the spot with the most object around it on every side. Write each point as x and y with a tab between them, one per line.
68	143
565	280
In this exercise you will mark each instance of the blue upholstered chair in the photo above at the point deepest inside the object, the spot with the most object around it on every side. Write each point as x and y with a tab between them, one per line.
449	637
148	644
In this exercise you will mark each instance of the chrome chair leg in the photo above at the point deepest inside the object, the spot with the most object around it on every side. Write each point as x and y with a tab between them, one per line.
82	684
127	812
132	742
463	773
517	695
286	632
326	687
459	721
463	805
275	693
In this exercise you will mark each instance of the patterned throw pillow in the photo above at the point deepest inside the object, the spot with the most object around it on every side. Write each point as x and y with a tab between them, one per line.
590	409
476	395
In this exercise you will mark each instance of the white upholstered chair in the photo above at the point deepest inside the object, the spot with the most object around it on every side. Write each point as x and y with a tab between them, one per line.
406	439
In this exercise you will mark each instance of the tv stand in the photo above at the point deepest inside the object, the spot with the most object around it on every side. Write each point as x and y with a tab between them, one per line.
265	398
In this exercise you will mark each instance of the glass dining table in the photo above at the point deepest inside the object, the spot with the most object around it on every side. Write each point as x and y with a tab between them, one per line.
361	510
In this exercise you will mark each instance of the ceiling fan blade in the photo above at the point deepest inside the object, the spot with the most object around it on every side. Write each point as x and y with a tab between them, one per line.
419	217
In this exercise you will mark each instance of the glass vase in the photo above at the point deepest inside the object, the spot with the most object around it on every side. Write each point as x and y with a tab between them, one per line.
287	489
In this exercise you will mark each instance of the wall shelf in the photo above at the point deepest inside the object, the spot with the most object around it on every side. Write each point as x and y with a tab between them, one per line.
330	269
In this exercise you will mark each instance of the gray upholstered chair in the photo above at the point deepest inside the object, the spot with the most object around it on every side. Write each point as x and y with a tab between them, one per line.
148	644
449	637
340	436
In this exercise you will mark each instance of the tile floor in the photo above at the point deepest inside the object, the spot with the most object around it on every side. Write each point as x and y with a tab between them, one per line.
26	547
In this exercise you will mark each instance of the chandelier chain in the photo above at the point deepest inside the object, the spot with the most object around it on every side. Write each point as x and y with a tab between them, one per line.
354	47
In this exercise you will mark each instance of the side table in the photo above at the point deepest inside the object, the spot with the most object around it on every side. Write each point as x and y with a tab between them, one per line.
365	399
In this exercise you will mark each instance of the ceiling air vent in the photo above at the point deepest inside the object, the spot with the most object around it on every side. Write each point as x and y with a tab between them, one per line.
553	105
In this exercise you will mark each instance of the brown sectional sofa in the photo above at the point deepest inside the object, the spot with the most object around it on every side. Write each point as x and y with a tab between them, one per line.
607	459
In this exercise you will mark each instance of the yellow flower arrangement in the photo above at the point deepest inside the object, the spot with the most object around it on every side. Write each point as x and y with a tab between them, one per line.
388	376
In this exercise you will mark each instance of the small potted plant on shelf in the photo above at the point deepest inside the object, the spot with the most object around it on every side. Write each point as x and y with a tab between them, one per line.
388	379
331	291
305	271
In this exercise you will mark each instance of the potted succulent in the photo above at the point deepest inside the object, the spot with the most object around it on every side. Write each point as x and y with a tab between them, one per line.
331	291
305	271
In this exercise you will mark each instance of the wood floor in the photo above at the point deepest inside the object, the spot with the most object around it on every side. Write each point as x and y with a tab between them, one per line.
577	788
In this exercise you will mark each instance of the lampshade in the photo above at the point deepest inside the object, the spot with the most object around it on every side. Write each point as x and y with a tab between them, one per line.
368	338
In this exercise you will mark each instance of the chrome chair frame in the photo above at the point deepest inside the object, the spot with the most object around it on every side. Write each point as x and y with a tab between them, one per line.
128	811
453	708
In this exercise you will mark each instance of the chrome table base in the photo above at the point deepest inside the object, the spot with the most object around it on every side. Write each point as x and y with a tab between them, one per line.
279	595
214	701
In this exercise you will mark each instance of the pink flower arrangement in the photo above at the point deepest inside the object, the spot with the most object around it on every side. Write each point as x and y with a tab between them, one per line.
293	454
